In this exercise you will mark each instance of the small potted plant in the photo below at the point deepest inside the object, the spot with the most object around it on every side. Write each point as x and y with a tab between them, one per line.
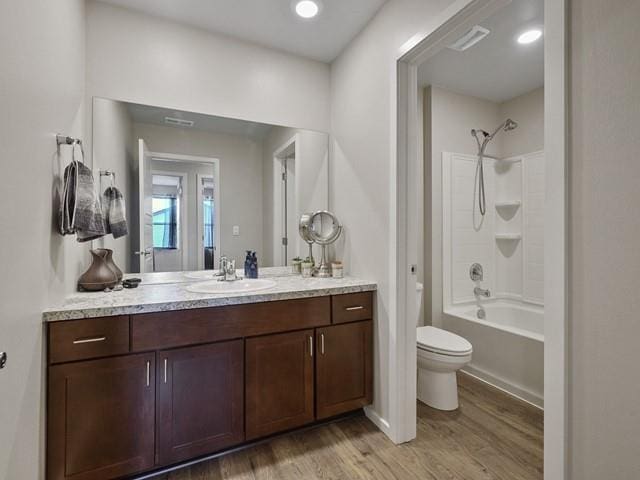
296	265
307	268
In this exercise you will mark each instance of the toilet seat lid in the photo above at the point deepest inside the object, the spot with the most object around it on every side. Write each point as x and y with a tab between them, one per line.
440	341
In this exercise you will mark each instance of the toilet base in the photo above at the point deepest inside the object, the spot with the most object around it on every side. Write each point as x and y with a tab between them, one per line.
438	389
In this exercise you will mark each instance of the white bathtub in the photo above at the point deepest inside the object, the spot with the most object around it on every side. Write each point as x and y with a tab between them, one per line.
508	345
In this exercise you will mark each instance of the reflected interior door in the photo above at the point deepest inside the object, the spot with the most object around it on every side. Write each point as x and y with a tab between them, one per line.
289	214
145	188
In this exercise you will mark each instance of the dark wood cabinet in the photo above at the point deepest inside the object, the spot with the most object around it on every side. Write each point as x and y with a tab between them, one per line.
129	394
279	382
344	368
200	400
101	418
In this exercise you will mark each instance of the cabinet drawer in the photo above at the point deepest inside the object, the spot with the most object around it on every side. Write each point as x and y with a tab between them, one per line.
152	331
88	338
352	307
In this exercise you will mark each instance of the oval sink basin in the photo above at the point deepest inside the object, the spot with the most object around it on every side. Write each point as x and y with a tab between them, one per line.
239	286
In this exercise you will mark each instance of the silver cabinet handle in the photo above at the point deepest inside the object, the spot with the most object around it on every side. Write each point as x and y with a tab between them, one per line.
322	343
165	370
351	309
311	345
148	372
89	340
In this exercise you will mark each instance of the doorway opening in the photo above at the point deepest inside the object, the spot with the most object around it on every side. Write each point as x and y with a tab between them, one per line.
509	176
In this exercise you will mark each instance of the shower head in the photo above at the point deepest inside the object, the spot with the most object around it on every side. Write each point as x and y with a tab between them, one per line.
510	125
506	126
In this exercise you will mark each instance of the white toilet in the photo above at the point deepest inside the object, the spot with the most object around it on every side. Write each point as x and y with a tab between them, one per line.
440	355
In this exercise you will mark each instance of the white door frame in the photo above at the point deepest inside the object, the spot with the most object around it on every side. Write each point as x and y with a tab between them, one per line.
277	196
215	162
453	22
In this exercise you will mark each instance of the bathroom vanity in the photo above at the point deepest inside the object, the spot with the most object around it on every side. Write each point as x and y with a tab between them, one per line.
136	384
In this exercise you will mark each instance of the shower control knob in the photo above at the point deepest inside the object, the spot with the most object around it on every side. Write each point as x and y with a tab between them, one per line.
476	273
3	359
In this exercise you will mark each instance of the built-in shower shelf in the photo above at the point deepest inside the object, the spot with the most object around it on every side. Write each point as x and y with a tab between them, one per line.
508	236
509	204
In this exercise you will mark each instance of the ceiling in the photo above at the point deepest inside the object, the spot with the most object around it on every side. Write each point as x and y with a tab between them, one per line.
271	23
209	123
497	68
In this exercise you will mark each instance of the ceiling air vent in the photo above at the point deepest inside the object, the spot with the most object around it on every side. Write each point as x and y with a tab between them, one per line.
178	122
469	39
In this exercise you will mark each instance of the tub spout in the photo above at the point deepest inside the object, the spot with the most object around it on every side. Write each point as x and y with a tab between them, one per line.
481	292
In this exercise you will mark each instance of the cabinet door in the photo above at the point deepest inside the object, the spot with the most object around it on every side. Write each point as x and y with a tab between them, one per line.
279	383
200	400
344	367
101	418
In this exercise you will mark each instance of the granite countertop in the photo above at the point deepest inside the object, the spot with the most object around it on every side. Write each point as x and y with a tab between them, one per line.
161	292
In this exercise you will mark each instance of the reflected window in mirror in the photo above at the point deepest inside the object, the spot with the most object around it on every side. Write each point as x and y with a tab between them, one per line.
165	222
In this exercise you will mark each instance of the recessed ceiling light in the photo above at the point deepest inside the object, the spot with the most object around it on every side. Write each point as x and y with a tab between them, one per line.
307	8
529	36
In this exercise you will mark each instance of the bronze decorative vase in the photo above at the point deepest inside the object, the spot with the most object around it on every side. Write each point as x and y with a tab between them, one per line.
108	256
99	275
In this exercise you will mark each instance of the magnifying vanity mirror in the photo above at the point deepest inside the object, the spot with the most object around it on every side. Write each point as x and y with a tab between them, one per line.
198	187
323	228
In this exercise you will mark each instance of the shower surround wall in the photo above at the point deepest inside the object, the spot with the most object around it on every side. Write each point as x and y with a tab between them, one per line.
449	118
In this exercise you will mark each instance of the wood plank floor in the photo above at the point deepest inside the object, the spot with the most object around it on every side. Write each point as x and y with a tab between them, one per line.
491	436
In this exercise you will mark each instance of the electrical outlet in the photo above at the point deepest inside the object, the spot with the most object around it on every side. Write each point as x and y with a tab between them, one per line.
236	230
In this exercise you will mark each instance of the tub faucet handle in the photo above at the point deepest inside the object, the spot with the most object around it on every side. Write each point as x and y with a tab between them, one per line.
476	273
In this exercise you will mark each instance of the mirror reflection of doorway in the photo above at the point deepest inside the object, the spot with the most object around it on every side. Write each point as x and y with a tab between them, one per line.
181	196
288	201
286	216
169	221
207	222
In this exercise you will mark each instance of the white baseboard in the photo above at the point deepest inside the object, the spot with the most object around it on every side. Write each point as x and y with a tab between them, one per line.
378	421
508	388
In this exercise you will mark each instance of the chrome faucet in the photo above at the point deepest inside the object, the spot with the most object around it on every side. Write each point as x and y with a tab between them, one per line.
222	266
481	292
227	272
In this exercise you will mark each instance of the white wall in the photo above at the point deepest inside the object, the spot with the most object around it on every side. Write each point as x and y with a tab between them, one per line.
361	108
240	180
114	149
528	111
143	59
41	93
604	234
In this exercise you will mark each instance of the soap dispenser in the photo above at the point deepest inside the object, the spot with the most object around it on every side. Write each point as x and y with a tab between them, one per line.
253	266
247	265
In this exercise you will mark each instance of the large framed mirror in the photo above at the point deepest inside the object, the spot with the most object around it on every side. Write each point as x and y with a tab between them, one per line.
197	187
